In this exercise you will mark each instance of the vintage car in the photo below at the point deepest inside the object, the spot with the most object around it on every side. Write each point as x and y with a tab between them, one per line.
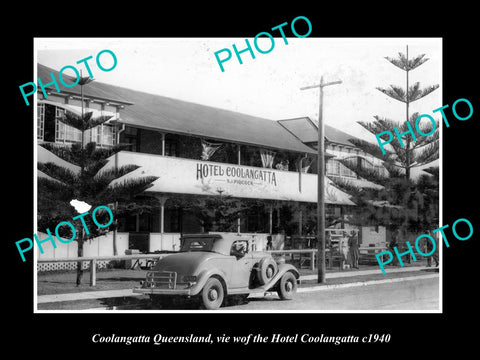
211	267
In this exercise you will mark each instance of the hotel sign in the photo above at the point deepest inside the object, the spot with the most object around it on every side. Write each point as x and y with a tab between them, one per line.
196	177
236	174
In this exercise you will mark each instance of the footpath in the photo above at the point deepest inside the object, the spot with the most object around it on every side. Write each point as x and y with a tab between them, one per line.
117	293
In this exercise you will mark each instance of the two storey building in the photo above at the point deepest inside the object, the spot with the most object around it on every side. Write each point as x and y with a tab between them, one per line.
201	152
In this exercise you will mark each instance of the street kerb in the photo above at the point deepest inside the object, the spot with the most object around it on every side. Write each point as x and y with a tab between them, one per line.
308	282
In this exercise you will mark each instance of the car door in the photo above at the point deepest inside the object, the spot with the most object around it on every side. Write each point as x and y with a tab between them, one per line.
242	264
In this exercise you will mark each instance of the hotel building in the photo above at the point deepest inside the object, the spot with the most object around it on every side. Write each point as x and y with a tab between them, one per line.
199	151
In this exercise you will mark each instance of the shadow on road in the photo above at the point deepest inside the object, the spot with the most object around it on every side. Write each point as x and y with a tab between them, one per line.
173	303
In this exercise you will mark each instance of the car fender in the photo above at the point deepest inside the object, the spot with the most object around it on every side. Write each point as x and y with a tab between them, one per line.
282	269
204	276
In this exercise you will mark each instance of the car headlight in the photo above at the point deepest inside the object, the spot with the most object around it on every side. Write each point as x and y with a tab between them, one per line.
189	278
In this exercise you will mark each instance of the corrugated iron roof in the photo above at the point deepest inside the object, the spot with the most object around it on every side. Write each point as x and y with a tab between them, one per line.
167	114
306	131
338	136
95	89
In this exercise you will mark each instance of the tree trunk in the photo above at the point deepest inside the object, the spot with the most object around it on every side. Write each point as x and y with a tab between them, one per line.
80	263
115	251
80	242
407	103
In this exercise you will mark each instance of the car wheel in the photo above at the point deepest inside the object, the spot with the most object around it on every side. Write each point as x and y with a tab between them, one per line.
212	294
287	286
267	269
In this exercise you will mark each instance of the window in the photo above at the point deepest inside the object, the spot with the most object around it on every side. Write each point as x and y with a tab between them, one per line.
239	247
103	135
63	132
333	167
336	168
171	147
66	133
130	136
365	164
197	244
333	211
344	171
40	121
59	112
108	135
172	218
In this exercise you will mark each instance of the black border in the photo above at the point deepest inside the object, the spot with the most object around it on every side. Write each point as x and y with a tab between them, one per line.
411	333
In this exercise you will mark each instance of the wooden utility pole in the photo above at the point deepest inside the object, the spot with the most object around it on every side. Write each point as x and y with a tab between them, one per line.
321	183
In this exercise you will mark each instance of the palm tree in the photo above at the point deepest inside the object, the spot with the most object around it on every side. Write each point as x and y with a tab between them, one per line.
85	181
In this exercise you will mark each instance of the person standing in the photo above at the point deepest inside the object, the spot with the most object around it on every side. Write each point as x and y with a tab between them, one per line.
354	252
328	247
393	244
343	248
269	242
429	248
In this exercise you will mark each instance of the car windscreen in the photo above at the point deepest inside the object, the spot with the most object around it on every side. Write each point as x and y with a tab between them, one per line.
197	244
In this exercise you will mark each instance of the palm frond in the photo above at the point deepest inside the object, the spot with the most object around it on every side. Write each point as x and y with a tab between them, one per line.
395	169
363	172
109	175
71	119
97	121
401	62
407	65
104	153
127	189
93	167
428	154
434	170
52	198
59	173
63	152
83	123
395	92
415	93
379	125
85	80
426	140
416	61
372	149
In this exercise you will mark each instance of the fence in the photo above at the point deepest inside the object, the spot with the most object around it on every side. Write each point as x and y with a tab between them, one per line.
94	260
330	255
95	247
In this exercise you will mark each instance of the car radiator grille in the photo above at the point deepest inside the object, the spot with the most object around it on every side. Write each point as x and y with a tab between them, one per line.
161	279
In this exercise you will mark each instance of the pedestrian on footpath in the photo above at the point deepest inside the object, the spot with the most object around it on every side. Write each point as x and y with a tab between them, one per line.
269	242
353	251
343	248
393	244
328	247
429	247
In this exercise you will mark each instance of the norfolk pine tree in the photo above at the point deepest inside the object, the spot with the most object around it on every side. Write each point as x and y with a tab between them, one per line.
402	201
59	185
414	153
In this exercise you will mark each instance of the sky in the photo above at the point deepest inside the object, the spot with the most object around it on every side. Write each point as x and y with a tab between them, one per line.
269	85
